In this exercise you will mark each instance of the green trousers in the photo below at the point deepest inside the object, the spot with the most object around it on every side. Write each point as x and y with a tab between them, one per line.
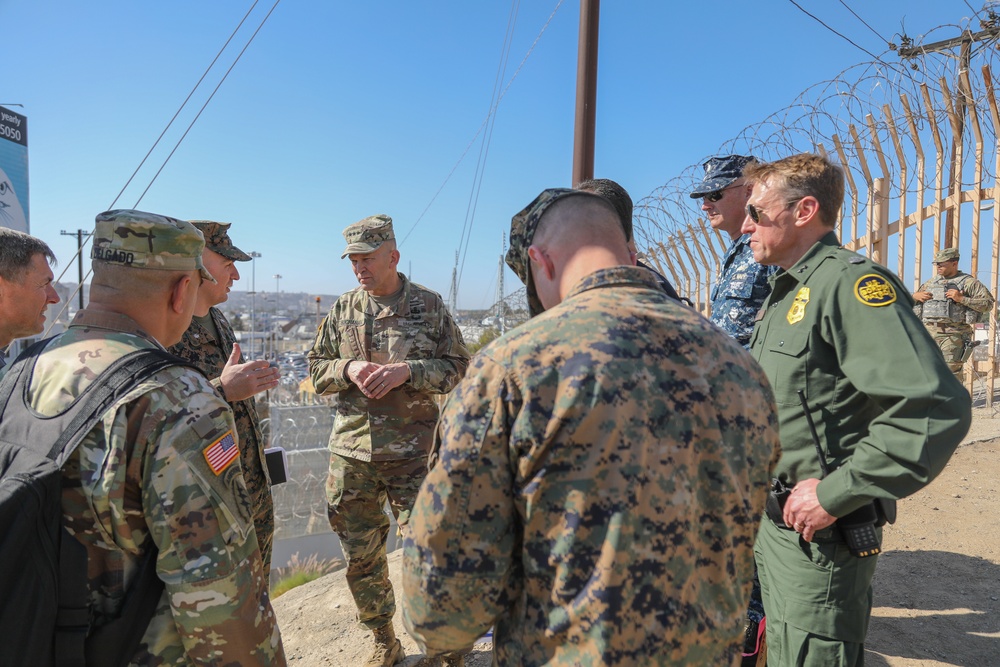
817	595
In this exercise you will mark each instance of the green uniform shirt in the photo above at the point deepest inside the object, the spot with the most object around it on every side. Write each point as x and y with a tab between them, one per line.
419	331
888	411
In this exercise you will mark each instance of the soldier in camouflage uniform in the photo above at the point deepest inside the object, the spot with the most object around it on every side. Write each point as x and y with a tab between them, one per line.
949	304
25	287
210	344
740	290
844	352
385	350
599	474
162	469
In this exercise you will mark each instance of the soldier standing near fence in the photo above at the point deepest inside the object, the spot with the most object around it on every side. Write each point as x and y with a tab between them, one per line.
386	349
210	344
949	304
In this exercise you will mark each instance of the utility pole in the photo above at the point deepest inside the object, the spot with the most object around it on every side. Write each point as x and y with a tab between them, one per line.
586	91
79	260
453	293
991	28
253	301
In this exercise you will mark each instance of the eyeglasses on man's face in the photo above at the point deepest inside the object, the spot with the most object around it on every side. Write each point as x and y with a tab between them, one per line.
755	211
713	197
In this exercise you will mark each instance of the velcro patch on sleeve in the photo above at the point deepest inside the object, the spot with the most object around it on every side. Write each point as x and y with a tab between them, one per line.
874	290
221	453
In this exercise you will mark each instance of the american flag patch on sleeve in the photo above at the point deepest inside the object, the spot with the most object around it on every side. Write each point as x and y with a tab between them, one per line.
221	453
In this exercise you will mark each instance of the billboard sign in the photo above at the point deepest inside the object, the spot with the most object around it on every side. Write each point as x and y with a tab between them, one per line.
14	170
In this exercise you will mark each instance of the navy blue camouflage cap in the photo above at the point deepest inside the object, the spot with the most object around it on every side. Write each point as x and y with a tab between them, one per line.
367	235
721	172
522	233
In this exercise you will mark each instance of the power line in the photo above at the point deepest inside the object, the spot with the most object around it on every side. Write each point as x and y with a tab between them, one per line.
863	21
214	91
842	36
183	104
482	126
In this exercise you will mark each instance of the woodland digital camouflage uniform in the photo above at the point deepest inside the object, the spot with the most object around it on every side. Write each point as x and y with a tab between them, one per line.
200	347
387	438
143	474
596	483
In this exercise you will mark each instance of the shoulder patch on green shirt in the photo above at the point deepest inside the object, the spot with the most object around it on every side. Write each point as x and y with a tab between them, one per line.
874	290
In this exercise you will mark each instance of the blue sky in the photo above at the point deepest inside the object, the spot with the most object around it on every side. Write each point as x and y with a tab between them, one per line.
339	110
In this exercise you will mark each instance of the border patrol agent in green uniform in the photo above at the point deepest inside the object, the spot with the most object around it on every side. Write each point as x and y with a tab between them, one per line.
888	413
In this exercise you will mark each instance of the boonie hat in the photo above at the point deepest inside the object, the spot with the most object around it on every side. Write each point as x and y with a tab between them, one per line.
945	255
143	240
721	172
217	239
522	232
365	236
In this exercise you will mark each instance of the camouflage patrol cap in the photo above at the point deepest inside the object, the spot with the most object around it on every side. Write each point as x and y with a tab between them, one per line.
945	255
143	240
721	172
217	239
365	236
522	233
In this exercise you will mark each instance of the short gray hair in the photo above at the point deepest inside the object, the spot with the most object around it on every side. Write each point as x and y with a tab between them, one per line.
16	251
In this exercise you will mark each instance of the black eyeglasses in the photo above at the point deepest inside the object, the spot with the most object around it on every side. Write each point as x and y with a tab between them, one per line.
713	197
755	212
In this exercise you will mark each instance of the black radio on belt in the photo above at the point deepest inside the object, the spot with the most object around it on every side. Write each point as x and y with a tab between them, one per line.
858	527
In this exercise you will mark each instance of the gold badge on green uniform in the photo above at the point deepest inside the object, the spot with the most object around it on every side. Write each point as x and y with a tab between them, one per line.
798	309
874	290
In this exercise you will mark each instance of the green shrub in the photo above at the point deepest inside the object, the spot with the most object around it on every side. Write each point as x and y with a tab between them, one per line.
301	572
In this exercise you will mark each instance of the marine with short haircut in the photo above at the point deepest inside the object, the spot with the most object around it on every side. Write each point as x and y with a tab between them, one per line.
210	344
26	288
855	376
386	350
949	304
599	473
162	470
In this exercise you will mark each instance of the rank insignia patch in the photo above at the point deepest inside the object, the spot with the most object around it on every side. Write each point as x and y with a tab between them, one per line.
798	309
874	290
221	453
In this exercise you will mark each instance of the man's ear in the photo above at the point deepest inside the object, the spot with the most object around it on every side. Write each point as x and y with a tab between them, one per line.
542	260
181	295
807	211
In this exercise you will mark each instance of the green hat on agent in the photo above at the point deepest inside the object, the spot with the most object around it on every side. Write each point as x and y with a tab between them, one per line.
367	235
141	240
522	233
217	239
945	255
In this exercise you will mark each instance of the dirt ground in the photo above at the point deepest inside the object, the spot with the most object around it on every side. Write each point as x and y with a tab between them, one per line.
936	588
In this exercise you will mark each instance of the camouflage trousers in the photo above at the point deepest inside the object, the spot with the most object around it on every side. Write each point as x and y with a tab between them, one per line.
952	344
356	492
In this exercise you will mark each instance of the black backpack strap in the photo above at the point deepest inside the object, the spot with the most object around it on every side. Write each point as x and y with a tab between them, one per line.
116	642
